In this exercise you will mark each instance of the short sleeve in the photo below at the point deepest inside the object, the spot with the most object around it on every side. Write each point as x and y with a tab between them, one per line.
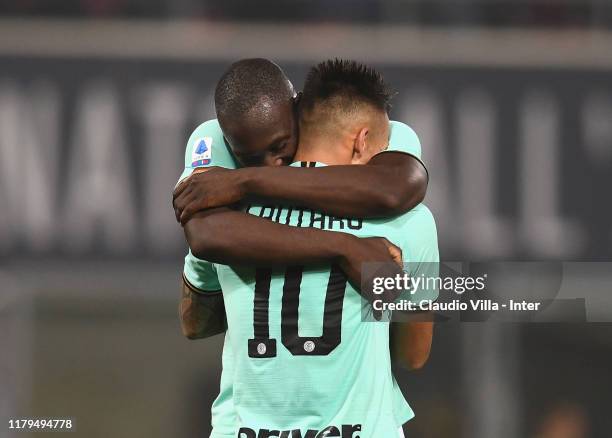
200	274
206	147
421	255
402	138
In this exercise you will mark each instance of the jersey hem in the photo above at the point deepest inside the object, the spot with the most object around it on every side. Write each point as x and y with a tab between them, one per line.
198	290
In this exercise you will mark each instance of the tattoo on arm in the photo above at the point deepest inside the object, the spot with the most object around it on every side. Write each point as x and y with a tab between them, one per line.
201	314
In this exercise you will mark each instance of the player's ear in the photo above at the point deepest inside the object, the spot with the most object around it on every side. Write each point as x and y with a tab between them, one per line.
360	146
297	99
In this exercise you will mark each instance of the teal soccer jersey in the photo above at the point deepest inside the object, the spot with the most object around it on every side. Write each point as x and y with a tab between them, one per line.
206	148
301	356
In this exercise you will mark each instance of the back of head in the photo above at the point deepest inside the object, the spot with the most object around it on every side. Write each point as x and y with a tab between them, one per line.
338	92
255	106
250	88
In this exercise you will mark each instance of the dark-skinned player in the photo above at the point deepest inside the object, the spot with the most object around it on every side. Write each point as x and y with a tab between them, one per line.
266	135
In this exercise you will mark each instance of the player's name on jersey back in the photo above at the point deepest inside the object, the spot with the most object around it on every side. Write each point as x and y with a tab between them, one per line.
304	217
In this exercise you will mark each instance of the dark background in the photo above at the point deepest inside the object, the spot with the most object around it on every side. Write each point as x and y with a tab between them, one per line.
97	99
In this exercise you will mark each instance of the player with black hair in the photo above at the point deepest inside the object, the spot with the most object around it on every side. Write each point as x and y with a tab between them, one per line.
263	131
336	94
261	77
343	85
250	136
255	103
325	372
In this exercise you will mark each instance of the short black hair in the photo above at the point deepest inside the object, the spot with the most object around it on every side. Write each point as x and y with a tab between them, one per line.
246	83
347	81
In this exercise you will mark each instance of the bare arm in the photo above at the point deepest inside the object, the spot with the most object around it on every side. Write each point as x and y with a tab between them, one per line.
201	314
411	341
390	184
223	235
212	236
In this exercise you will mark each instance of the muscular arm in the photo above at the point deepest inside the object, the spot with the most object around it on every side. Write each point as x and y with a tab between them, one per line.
411	341
231	237
390	184
223	235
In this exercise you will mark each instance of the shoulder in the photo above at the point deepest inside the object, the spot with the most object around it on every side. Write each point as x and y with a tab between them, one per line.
401	128
402	138
206	147
209	132
209	128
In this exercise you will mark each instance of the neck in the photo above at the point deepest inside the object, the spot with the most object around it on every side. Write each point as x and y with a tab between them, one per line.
321	149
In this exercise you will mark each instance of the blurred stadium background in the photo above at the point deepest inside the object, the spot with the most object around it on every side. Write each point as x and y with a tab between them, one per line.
512	100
